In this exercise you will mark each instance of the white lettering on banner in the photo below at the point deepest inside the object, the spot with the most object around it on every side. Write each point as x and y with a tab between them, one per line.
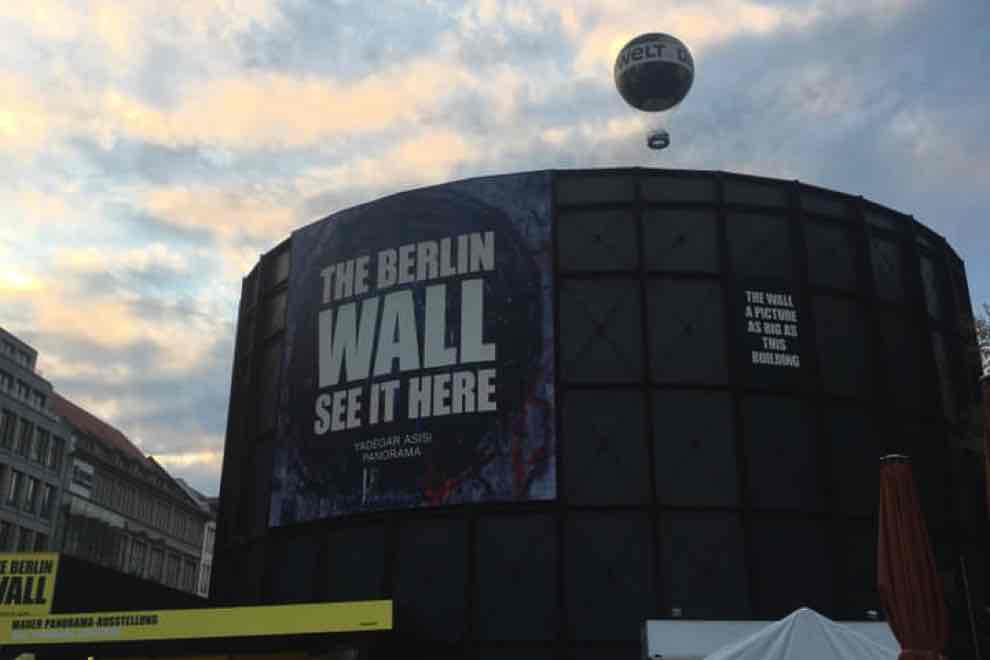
397	337
473	349
346	347
393	447
456	393
385	394
379	335
436	353
772	318
342	342
414	262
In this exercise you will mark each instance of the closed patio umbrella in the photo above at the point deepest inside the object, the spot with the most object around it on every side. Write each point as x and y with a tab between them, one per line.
907	579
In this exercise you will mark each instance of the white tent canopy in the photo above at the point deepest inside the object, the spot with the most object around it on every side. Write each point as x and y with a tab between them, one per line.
807	635
804	634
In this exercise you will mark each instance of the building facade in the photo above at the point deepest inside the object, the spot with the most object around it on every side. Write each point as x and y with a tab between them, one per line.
695	376
123	510
33	447
208	506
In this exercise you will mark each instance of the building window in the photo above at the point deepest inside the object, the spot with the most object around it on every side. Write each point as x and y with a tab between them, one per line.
82	474
55	450
22	390
40	448
137	557
188	575
155	564
14	488
6	535
101	488
5	381
123	544
204	579
40	542
47	501
7	423
24	438
25	540
129	499
172	571
37	399
31	495
161	515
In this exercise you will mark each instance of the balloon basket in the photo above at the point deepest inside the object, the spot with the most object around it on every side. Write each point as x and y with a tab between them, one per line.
658	139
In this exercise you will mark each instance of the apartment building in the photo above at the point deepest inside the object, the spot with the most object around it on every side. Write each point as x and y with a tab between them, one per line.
33	446
123	510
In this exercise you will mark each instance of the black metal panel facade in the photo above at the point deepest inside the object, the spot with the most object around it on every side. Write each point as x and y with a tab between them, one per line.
694	481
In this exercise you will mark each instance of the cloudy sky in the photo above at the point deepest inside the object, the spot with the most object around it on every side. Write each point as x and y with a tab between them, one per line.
148	155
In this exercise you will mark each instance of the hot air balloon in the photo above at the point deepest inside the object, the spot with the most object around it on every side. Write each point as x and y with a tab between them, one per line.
654	73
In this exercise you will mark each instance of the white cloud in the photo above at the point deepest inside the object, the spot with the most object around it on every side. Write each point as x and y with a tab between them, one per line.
78	368
939	153
425	158
252	212
18	282
120	34
229	111
599	30
174	333
206	457
156	256
26	123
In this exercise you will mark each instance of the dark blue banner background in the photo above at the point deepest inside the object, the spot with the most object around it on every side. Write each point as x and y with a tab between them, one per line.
334	455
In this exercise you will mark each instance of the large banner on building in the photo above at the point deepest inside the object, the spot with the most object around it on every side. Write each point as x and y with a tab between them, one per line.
418	365
27	583
207	623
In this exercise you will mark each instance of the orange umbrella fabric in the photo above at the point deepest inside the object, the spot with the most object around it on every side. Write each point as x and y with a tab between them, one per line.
907	578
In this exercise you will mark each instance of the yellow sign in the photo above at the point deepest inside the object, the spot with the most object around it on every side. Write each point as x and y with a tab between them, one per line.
27	583
360	616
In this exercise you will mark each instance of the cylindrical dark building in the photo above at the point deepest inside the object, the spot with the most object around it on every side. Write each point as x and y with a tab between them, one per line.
538	409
